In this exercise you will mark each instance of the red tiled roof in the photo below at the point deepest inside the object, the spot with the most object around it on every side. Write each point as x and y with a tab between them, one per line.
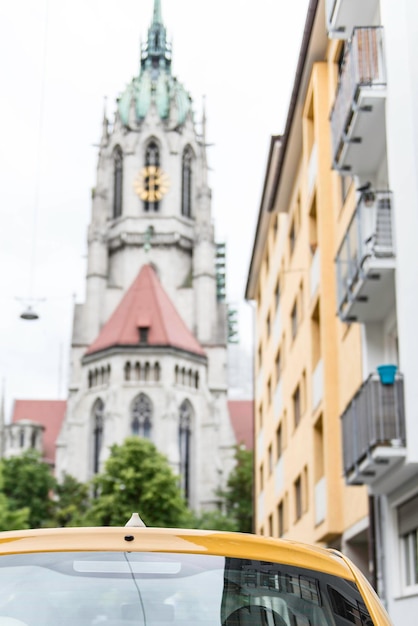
241	413
48	413
146	304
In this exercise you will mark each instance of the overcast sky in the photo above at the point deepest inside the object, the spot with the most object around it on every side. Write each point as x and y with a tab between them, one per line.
59	60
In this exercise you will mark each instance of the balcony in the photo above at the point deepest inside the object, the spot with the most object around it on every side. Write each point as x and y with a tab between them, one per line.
373	427
344	15
366	261
358	114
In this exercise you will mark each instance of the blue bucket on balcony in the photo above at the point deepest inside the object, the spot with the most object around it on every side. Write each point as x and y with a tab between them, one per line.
387	373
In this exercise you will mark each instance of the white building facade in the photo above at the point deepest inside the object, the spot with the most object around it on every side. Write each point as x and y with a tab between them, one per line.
149	345
375	141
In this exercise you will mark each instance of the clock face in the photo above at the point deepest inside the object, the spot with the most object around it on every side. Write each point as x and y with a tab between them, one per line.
151	183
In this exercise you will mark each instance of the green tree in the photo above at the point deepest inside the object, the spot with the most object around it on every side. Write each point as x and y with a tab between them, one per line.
12	520
238	494
136	478
71	502
9	519
28	483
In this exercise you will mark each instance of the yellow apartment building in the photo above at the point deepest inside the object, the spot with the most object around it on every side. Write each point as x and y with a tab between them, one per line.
307	362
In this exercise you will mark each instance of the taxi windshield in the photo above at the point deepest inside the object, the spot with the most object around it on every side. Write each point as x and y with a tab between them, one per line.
170	589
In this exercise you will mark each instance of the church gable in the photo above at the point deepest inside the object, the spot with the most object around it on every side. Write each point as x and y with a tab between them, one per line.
146	316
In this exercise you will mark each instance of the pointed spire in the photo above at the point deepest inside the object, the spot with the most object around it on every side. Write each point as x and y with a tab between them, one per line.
156	53
157	19
105	127
204	144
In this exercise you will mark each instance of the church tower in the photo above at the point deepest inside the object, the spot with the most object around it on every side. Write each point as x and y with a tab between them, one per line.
149	345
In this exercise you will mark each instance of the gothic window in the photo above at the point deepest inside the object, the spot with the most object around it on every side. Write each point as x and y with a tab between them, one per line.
184	446
186	182
141	418
137	371
117	181
156	371
98	426
127	371
21	438
152	157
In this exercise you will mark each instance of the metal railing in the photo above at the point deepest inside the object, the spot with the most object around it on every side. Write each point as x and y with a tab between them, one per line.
369	234
363	66
374	417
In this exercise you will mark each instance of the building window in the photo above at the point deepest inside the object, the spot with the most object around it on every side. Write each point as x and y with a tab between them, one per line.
185	425
292	237
117	181
143	334
141	417
98	427
260	417
261	477
152	158
270	458
408	532
280	519
270	525
268	325
278	367
277	295
269	391
298	498
186	182
294	319
297	410
279	441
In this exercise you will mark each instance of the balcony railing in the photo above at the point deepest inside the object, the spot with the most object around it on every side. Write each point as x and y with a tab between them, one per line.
374	419
366	249
363	68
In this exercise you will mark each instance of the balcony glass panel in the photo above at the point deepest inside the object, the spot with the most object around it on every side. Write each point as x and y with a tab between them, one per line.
314	273
374	417
363	67
312	168
279	477
369	235
320	500
317	384
278	401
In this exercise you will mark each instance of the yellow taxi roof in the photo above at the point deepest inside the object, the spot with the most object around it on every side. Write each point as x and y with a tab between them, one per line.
229	544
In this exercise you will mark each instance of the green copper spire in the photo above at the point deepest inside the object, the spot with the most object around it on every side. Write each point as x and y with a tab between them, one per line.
156	53
157	19
155	83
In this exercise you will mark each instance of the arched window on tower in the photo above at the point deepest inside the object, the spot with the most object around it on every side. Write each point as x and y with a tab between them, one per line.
98	427
186	182
117	181
152	161
185	426
141	417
